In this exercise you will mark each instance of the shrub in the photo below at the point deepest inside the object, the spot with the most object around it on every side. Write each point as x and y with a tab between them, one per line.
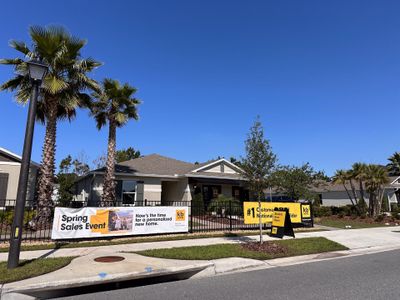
224	205
322	211
198	208
379	218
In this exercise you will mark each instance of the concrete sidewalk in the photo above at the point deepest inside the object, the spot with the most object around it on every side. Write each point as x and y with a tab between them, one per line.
85	271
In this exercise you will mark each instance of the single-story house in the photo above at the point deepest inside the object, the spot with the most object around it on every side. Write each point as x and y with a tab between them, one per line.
161	180
10	165
336	195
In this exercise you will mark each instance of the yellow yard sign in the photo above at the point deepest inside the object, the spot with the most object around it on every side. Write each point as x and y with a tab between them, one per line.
252	213
278	218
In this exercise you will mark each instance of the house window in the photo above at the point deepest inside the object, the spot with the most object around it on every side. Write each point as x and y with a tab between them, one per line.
128	192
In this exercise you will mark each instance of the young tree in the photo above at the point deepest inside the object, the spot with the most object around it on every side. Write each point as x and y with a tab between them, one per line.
66	179
62	91
126	154
114	105
258	164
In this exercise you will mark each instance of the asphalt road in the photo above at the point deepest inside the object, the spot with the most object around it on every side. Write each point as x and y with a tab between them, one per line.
373	276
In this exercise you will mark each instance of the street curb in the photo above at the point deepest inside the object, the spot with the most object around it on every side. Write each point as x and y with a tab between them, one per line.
8	293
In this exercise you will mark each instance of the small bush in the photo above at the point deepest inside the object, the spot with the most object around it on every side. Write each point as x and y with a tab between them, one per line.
198	208
322	211
224	205
379	218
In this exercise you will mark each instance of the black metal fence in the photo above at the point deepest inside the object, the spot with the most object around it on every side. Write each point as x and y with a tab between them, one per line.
216	216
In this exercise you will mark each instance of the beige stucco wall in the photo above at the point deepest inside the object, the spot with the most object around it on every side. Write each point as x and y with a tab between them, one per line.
13	170
152	189
175	191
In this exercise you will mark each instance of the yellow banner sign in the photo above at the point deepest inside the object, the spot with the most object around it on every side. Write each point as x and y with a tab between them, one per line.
297	211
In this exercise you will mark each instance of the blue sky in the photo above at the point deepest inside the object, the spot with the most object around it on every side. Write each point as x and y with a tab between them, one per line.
323	75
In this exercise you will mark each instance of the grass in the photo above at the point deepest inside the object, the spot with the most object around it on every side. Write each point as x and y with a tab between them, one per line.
32	268
342	223
294	247
98	243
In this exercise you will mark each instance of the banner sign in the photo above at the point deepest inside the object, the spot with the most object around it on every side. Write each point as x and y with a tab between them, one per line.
90	222
299	212
281	224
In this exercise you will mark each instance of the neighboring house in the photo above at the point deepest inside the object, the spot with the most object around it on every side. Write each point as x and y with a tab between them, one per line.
10	164
335	194
162	181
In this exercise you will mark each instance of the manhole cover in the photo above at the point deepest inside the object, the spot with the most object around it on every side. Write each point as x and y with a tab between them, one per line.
109	259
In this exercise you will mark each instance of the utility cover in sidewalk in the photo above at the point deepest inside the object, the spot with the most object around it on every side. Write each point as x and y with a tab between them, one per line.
109	259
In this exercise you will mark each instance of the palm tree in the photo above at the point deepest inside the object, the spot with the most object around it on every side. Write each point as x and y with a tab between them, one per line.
62	91
341	177
359	173
114	105
394	165
375	179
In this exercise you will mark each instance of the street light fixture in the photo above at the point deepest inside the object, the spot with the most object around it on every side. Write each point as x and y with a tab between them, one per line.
37	72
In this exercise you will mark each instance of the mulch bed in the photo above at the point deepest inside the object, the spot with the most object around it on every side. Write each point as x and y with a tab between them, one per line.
266	247
367	220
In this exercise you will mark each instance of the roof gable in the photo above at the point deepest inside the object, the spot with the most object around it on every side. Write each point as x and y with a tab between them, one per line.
219	166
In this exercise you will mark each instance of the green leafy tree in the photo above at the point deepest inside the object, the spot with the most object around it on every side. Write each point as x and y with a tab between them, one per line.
62	91
126	154
295	182
115	106
394	164
258	164
66	164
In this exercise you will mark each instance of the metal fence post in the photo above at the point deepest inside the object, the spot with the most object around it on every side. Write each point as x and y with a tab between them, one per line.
191	217
230	215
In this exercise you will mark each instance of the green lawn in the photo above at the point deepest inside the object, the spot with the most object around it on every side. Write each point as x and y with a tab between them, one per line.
32	268
342	223
294	247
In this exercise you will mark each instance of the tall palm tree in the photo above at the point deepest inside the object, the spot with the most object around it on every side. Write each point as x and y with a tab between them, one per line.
341	177
359	173
114	105
394	165
62	91
375	179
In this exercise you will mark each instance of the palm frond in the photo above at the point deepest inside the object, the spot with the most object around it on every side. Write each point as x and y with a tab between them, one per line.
11	61
20	46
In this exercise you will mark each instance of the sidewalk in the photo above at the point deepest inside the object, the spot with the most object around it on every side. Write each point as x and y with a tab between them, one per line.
84	271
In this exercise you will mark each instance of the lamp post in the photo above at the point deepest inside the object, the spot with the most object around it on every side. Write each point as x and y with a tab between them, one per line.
37	71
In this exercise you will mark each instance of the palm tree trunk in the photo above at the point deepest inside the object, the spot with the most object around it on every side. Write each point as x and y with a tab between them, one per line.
108	197
361	190
46	179
353	189
348	194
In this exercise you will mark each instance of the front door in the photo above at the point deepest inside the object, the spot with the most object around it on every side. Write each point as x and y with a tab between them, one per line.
210	192
3	188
